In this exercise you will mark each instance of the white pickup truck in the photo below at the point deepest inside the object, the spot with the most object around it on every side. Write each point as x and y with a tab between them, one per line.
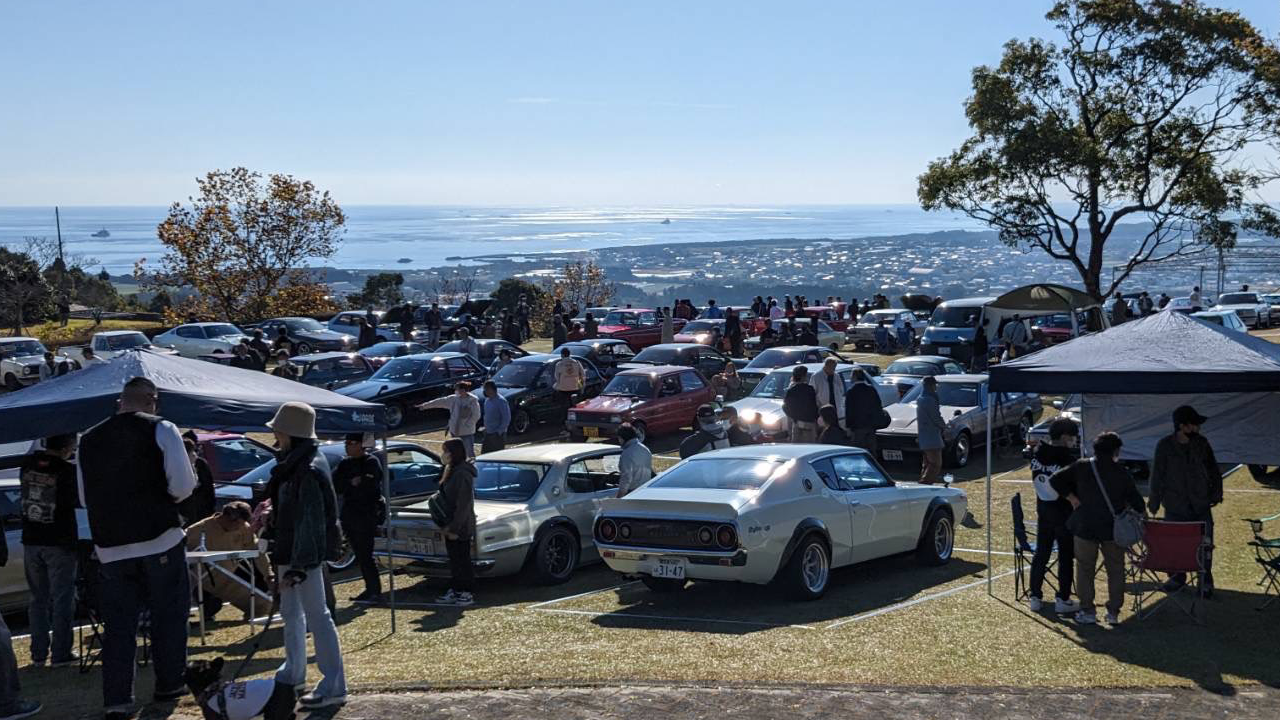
111	343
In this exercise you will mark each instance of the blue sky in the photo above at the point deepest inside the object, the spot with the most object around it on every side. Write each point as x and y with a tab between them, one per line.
577	103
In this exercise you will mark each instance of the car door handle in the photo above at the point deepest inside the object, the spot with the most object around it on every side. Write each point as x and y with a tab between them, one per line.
854	503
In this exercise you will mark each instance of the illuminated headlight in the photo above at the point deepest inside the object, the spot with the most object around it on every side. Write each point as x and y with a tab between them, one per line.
615	418
769	420
29	370
748	416
573	415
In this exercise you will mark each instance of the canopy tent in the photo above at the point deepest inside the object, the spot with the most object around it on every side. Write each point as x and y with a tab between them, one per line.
1045	299
1131	377
192	394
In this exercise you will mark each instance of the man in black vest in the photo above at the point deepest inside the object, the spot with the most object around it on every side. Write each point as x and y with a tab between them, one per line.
134	471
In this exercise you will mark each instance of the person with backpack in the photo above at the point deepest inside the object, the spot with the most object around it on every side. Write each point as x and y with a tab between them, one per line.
709	433
1052	513
1099	490
455	504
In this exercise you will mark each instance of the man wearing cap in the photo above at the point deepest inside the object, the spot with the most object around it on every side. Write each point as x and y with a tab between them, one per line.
1186	481
133	473
358	481
708	433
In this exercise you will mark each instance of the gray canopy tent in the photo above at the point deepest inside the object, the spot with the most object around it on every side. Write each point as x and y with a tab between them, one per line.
1132	376
1042	299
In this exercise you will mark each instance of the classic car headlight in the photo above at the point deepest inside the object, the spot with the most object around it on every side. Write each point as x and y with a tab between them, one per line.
769	420
29	370
572	415
615	418
748	416
726	537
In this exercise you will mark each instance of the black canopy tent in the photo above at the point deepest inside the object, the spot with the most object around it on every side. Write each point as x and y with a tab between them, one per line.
192	393
1132	376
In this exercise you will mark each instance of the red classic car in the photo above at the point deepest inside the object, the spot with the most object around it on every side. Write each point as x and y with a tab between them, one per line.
231	455
654	400
831	315
640	327
1054	329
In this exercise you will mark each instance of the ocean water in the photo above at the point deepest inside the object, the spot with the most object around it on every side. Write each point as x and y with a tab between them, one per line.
377	236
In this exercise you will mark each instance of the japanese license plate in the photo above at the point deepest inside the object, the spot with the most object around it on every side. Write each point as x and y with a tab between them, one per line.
591	432
422	545
944	350
891	454
669	568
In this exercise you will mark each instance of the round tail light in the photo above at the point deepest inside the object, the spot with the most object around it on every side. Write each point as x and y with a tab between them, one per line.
726	537
624	531
608	530
705	536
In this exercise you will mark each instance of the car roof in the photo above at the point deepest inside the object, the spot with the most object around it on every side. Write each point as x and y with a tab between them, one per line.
815	367
547	452
673	346
655	370
538	358
710	320
315	357
434	355
18	339
206	324
980	378
111	333
924	358
968	302
626	309
1212	313
781	451
795	348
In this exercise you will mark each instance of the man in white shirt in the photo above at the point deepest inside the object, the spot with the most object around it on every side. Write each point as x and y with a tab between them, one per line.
133	472
829	386
468	344
464	414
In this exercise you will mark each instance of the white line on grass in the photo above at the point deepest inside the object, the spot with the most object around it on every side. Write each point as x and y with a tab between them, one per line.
694	620
915	601
581	595
983	552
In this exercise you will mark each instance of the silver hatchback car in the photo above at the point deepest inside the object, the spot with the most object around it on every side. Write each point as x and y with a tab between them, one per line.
534	509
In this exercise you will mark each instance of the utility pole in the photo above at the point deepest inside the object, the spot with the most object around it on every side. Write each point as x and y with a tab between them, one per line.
57	219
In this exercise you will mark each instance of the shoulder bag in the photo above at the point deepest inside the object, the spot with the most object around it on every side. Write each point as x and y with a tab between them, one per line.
1126	527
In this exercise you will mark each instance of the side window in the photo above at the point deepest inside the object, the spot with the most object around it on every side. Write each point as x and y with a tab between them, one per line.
190	332
953	369
592	374
670	386
648	318
352	366
238	456
436	372
99	343
593	474
827	474
412	472
855	472
691	381
846	377
459	367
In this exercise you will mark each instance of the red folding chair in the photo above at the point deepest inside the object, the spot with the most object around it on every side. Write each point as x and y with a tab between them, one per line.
1168	548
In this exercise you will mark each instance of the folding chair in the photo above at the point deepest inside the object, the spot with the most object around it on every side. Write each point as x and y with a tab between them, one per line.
1023	550
88	598
1267	554
1168	548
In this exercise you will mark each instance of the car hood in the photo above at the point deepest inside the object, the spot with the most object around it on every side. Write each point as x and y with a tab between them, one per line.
322	335
510	393
937	334
662	502
25	360
903	417
609	404
633	365
757	406
691	337
1239	306
372	389
611	329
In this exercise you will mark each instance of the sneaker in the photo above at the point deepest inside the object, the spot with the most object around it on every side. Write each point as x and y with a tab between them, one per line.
1113	619
465	599
1034	603
449	598
314	700
20	709
1065	607
1086	618
169	695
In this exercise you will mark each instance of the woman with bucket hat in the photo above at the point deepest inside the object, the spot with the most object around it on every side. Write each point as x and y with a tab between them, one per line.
304	522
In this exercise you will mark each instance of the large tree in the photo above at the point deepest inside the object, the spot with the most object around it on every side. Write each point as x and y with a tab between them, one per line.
1151	112
382	290
242	241
25	295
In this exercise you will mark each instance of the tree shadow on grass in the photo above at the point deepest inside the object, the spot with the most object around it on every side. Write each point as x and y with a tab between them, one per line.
737	609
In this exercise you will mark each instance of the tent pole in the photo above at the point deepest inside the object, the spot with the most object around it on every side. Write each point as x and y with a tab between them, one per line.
990	421
386	534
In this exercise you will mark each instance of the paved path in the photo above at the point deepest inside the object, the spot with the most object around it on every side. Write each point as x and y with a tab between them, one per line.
799	702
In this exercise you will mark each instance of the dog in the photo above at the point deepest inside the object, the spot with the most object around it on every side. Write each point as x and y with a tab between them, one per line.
242	700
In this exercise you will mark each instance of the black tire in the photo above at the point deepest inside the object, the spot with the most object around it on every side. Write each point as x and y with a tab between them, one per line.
302	348
662	585
396	414
555	556
938	543
808	572
11	382
958	453
642	430
520	422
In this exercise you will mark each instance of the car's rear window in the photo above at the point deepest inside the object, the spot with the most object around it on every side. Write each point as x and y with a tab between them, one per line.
721	474
507	481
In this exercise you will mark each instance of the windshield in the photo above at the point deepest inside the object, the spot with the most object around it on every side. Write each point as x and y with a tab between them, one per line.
506	481
402	370
658	356
774	385
221	330
621	318
304	324
1238	299
630	386
715	474
874	317
518	374
1213	318
1053	321
955	317
21	349
120	342
905	367
773	357
949	394
700	326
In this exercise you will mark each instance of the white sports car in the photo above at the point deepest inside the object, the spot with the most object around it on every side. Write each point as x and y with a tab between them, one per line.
761	411
773	513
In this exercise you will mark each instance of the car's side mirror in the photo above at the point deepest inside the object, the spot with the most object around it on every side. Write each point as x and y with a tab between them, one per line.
957	413
1057	404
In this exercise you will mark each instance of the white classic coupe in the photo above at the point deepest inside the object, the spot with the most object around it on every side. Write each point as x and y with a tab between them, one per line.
773	513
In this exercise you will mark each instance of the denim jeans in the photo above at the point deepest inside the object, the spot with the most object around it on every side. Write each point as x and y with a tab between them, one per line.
433	338
8	668
468	442
51	576
158	583
303	607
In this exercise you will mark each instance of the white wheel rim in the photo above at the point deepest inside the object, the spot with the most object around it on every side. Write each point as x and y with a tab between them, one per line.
814	568
943	538
962	450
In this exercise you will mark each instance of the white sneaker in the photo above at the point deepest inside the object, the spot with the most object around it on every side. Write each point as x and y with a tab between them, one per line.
1113	619
449	598
1034	603
1065	607
1086	618
464	599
